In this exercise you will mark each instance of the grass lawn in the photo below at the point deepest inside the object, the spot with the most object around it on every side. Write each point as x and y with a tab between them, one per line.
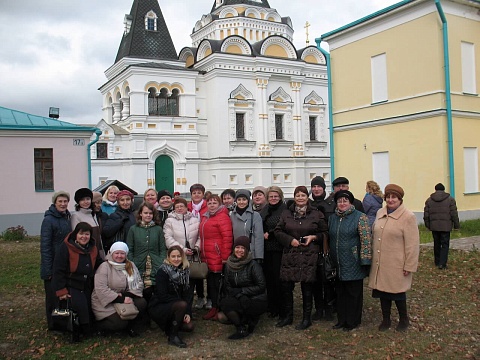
443	306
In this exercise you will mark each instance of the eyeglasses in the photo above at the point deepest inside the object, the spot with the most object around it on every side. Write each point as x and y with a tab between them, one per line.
343	201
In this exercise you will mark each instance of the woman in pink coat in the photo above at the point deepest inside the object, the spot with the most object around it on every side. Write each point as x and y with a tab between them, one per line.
396	246
216	240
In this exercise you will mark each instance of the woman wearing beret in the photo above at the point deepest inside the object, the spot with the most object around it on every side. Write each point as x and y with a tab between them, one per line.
396	247
300	230
117	280
84	207
351	251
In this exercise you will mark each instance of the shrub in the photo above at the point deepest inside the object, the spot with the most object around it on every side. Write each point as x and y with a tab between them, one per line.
14	233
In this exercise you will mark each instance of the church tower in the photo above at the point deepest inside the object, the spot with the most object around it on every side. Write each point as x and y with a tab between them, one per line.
239	107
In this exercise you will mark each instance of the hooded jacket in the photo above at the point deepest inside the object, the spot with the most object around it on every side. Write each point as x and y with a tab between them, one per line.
440	212
55	226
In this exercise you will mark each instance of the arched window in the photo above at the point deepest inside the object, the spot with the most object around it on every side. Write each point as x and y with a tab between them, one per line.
163	104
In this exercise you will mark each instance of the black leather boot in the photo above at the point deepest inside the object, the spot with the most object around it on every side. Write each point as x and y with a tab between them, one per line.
241	333
173	338
307	297
404	322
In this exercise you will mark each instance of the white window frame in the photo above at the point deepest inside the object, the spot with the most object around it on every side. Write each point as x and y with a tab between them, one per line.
469	79
378	65
470	166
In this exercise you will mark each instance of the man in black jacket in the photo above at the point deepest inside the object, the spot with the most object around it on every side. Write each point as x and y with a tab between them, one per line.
440	215
342	183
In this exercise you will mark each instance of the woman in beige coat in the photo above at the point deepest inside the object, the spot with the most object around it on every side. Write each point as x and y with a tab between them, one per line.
117	280
395	256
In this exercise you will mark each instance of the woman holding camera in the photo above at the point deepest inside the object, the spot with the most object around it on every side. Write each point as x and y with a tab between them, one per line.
300	230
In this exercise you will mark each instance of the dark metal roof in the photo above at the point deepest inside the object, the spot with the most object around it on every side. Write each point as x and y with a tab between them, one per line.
261	3
146	44
161	66
121	186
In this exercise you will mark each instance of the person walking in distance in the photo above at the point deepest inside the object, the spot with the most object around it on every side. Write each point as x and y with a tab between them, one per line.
440	216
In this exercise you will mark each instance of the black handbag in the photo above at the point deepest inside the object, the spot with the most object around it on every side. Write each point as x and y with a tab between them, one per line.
328	269
65	318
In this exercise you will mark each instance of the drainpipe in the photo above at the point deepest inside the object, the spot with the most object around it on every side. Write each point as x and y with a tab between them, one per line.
330	107
448	96
98	132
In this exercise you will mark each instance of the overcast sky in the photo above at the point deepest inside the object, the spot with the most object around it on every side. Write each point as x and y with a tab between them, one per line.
55	52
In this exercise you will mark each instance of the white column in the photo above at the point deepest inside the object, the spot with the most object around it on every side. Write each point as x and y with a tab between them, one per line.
117	115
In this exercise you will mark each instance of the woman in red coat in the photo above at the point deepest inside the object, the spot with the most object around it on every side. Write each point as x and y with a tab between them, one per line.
216	240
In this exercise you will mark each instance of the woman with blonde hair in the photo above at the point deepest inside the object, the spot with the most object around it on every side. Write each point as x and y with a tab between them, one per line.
171	304
109	204
373	200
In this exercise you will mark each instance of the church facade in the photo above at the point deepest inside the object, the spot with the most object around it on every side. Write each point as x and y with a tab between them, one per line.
238	108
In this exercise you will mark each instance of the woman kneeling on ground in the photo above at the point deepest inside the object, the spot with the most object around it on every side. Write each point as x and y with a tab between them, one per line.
244	284
171	304
117	280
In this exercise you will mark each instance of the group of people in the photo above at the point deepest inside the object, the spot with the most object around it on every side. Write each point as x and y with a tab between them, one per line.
256	246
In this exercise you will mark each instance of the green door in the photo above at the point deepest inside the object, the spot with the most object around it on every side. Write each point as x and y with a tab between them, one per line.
164	173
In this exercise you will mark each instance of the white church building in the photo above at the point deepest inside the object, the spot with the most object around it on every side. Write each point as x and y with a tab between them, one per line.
238	108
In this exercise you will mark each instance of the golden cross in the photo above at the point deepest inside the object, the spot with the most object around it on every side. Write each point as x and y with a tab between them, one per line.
307	25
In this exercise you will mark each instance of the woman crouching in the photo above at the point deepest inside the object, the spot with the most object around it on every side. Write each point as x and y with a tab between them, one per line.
118	281
171	304
244	284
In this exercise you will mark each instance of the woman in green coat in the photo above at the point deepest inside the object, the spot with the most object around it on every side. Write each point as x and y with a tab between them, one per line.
147	246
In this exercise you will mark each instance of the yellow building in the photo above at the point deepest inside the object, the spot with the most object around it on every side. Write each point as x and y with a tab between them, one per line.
405	108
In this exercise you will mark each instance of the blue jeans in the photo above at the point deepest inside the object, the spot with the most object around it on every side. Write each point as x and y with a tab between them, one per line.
441	244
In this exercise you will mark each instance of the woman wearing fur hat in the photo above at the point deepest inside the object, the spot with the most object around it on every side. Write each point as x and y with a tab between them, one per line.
84	213
273	249
171	304
244	283
247	222
300	230
146	242
351	251
396	249
117	280
118	224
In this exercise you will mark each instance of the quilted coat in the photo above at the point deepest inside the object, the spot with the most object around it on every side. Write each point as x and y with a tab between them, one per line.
55	227
179	229
216	238
396	247
350	244
300	263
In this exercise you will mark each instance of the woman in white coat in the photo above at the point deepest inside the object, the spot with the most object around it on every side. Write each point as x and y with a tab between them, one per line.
181	228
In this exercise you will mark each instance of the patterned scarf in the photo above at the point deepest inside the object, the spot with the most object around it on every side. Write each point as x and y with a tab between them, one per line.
300	212
196	209
146	226
178	276
346	212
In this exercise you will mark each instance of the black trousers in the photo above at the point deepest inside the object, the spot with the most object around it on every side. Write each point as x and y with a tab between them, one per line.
198	287
349	302
213	287
441	245
271	268
50	302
